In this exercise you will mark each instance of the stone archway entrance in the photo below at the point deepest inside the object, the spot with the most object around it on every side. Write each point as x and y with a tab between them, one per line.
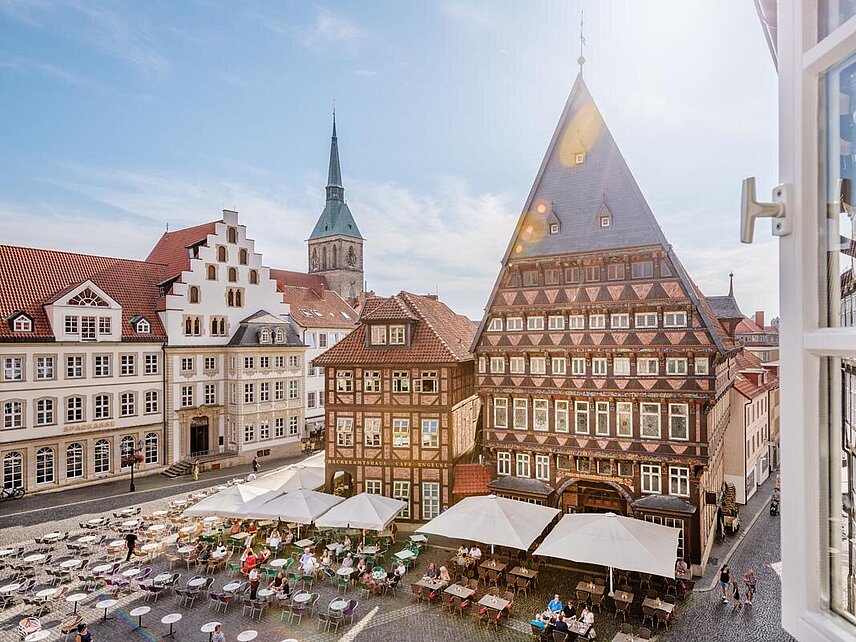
589	496
199	436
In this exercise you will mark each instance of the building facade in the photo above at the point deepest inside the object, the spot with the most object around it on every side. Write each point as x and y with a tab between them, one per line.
401	406
83	376
600	363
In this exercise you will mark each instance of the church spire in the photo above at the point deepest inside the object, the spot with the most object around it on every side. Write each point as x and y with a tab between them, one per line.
731	283
335	191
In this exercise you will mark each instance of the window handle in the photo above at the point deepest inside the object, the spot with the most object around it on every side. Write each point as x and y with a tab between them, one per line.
750	209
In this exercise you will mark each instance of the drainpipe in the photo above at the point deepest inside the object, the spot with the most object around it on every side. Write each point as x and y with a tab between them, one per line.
163	406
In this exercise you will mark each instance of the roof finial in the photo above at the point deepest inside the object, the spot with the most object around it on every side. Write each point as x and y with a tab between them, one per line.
334	118
731	283
582	59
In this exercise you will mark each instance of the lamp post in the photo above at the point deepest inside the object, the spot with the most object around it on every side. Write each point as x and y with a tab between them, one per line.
136	457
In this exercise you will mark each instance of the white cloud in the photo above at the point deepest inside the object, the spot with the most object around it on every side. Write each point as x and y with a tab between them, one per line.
327	29
25	65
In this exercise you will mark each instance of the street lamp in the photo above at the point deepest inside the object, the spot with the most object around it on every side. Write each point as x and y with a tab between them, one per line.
136	457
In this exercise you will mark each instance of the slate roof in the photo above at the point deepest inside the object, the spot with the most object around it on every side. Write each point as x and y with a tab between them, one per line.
336	220
438	336
668	503
324	309
725	307
248	330
512	484
30	278
471	479
172	249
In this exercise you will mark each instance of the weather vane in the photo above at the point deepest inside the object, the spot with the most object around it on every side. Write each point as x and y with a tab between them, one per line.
582	59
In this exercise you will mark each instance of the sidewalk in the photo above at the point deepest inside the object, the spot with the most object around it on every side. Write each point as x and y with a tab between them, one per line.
722	551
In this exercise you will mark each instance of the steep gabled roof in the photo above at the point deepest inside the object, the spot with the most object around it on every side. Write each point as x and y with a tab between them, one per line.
725	307
30	278
438	336
392	309
285	278
314	309
172	249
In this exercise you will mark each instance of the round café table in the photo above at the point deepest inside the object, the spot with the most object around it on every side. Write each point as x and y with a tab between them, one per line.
6	552
9	588
278	562
197	581
338	605
45	593
35	557
138	613
247	636
86	539
106	604
231	586
44	634
170	619
102	568
161	578
70	563
300	598
209	629
131	572
74	598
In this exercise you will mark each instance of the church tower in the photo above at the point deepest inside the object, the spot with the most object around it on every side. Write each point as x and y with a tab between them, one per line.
336	245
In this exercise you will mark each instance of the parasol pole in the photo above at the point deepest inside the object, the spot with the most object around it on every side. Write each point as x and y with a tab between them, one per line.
611	589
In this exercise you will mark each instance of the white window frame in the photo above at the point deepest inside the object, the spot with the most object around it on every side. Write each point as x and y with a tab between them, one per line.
582	420
495	325
344	432
621	366
647	411
397	335
542	467
430	500
597	322
522	405
601	418
701	365
514	324
497	365
643	320
372	432
503	463
679	411
624	418
598	366
555	322
517	365
647	366
679	481
373	486
619	321
561	415
576	322
400	432
379	335
538	365
559	366
675	319
522	465
651	479
676	366
500	412
430	433
401	491
535	323
578	366
541	415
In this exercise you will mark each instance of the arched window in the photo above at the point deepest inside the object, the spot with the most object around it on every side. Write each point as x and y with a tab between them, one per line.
238	302
13	414
222	326
280	335
74	461
45	466
221	254
102	456
143	326
230	298
194	294
242	256
13	470
254	277
232	235
214	332
197	326
233	275
102	406
188	326
126	446
151	448
323	258
335	257
22	324
212	272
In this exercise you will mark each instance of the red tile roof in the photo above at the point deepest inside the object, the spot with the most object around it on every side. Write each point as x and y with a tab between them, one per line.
748	369
471	479
313	310
438	336
391	309
172	248
31	278
285	278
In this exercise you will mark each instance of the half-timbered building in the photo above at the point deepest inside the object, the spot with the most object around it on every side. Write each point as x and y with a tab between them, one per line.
401	403
600	363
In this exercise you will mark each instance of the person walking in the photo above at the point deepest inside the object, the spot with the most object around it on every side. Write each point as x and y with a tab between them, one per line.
256	466
218	635
83	634
725	582
131	544
735	593
196	470
751	583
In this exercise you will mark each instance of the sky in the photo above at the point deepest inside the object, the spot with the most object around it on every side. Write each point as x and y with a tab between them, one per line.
120	118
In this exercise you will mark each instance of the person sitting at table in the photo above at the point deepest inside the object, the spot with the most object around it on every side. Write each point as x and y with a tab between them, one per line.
681	566
205	555
309	565
555	605
569	611
252	527
587	616
346	544
547	628
463	551
401	569
279	584
560	624
475	552
360	548
361	566
249	561
235	528
307	554
431	571
340	549
444	575
326	558
289	537
348	561
220	551
274	539
264	555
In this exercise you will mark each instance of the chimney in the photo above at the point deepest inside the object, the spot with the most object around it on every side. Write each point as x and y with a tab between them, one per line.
759	318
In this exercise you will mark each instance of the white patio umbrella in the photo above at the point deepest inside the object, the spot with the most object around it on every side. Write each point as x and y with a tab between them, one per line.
231	502
492	520
292	478
366	511
614	541
299	507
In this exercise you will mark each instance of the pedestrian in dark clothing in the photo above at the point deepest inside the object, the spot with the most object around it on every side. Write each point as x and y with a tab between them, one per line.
735	592
131	543
725	582
256	465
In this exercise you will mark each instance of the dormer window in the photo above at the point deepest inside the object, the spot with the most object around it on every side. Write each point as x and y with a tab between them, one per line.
554	228
280	335
605	220
579	158
143	327
22	323
378	335
396	335
264	335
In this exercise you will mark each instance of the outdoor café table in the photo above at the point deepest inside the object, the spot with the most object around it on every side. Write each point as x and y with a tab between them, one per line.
231	587
462	592
70	563
170	619
131	523
38	636
184	550
330	547
188	529
51	537
197	581
86	539
102	568
106	604
98	521
178	502
116	543
345	571
138	613
160	513
148	548
35	557
338	605
521	571
239	536
431	585
265	592
44	593
9	588
591	587
74	598
377	576
494	602
658	605
623	596
278	562
210	519
209	629
300	598
404	555
419	538
6	552
624	637
684	575
162	577
493	565
304	543
156	528
247	636
130	572
578	626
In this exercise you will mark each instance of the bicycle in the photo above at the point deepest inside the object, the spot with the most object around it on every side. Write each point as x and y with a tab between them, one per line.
11	493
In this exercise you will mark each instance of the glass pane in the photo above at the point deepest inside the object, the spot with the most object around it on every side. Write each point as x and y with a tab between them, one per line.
838	226
831	15
842	486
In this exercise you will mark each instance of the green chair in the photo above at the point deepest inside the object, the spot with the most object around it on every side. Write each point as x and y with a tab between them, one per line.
342	583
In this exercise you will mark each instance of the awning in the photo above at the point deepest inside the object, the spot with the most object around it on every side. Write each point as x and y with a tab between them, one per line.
614	541
231	502
492	520
365	511
299	507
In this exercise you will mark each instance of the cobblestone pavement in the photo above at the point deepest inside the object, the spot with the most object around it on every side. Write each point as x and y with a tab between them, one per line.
705	618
